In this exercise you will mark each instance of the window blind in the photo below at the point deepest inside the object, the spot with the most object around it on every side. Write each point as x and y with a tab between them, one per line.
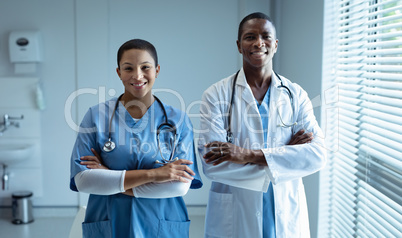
361	186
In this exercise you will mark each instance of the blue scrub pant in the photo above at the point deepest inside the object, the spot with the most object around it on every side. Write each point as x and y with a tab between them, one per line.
268	221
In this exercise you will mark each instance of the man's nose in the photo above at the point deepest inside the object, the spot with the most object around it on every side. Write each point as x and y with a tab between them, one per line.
260	42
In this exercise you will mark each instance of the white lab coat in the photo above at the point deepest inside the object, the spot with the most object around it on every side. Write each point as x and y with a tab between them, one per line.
235	200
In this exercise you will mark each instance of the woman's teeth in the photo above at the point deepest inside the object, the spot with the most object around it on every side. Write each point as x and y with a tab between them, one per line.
138	84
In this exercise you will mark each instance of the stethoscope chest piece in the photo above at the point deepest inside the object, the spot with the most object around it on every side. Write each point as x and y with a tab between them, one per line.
109	145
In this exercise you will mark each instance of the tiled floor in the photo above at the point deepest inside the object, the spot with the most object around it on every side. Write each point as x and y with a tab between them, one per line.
59	227
46	227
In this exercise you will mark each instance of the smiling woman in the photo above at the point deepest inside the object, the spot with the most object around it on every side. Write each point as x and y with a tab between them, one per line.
137	69
122	178
138	75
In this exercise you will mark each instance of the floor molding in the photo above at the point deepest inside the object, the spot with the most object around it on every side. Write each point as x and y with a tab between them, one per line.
43	211
6	212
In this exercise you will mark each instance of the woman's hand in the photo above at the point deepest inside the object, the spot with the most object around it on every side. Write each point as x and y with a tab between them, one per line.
93	161
301	138
175	171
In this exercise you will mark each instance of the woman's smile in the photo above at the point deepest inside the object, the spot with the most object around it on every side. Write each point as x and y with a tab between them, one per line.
138	85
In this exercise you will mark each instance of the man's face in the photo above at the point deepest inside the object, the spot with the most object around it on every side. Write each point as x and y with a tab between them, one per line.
258	43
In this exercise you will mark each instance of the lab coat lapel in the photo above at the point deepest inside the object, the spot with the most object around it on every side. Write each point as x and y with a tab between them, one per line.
250	114
246	95
274	102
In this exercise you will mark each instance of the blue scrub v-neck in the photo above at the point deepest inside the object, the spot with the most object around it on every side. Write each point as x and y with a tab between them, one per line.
268	197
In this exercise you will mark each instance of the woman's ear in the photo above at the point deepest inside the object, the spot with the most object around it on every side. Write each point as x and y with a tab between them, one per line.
158	68
118	72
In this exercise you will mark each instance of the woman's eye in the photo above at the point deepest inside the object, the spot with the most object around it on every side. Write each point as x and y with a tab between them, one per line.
128	68
145	67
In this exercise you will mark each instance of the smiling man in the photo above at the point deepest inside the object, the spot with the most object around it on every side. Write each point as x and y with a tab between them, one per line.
259	138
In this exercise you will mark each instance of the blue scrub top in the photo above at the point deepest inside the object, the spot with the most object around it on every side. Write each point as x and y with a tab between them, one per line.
120	215
268	197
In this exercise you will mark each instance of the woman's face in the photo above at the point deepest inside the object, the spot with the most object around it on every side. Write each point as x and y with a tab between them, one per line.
138	72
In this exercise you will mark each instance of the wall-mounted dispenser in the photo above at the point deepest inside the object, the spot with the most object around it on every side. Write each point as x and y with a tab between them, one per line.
25	50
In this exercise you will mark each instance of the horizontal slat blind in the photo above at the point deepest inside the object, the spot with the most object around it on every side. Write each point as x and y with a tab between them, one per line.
361	187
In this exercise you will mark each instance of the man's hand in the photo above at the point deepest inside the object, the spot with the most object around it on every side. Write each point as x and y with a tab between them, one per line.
301	138
225	151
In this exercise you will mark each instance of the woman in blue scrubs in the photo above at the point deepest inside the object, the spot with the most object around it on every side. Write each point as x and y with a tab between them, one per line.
133	194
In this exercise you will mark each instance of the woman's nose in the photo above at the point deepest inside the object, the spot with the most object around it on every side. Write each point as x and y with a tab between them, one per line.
137	75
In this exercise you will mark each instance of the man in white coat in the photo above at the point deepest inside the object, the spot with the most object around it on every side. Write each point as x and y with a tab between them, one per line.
259	138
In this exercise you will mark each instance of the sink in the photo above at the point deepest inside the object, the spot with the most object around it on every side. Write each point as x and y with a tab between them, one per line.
14	153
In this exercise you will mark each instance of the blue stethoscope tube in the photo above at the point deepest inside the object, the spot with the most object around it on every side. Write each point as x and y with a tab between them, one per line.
110	145
229	134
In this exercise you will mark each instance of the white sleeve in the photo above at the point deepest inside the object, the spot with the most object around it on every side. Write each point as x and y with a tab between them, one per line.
100	181
290	162
162	190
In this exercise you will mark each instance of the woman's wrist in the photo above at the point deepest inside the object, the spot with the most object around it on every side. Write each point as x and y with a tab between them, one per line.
136	178
150	175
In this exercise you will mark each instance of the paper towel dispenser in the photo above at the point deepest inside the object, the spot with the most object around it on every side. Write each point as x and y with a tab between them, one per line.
25	46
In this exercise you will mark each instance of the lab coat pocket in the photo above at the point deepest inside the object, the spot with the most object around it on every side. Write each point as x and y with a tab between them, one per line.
98	229
169	229
219	217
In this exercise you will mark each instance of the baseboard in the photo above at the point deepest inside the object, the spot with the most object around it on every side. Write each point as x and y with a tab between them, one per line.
196	210
38	212
43	211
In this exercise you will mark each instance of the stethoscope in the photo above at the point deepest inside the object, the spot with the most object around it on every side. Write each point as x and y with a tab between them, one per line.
229	134
110	145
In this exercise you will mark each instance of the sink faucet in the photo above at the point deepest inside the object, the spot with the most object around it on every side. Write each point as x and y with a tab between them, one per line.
9	121
5	178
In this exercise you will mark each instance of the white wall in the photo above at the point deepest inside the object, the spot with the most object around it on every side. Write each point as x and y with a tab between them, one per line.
55	20
25	163
196	43
299	57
